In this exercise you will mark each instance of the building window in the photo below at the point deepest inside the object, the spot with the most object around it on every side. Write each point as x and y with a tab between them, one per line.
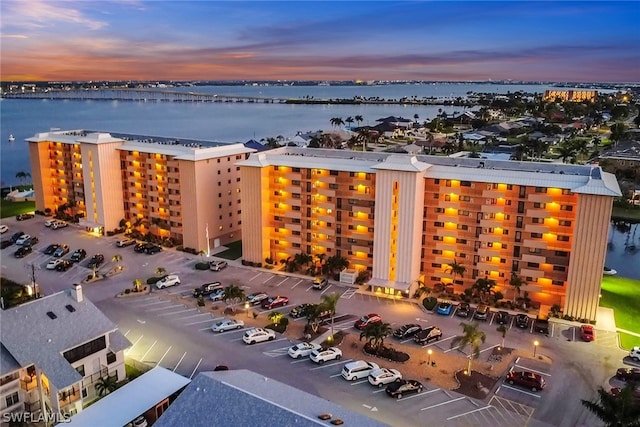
335	173
566	208
559	268
295	170
536	235
563	238
557	282
80	370
541	190
562	253
535	250
564	223
533	265
85	350
539	205
465	183
465	199
111	357
12	399
436	196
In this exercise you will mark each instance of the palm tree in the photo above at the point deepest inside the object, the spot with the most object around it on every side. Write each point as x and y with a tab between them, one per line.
275	317
375	334
234	294
336	263
272	142
336	121
105	385
503	329
312	313
161	271
137	284
302	259
349	120
358	119
517	282
471	336
483	286
615	411
22	176
329	303
456	269
117	258
422	289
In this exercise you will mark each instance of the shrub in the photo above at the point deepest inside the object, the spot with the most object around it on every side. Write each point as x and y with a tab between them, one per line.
152	280
202	266
127	291
201	301
180	248
280	327
363	277
268	260
244	262
430	303
498	296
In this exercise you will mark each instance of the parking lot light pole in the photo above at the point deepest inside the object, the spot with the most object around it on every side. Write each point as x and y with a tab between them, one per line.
246	307
429	352
535	347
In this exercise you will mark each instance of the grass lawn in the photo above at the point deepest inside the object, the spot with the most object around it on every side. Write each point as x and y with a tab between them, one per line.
630	213
9	209
233	252
623	295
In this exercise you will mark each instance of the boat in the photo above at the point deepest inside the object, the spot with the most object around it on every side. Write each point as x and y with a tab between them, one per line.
12	138
609	271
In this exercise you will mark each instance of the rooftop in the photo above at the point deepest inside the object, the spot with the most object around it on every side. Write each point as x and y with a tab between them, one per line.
245	398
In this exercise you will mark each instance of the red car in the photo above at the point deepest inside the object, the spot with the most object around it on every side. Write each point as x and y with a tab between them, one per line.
526	379
587	333
273	302
367	320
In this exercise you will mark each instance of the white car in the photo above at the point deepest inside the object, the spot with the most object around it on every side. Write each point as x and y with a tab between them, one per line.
49	222
303	349
23	239
324	354
166	281
3	229
125	242
51	265
217	295
257	298
383	376
59	224
217	265
635	353
255	335
357	370
227	325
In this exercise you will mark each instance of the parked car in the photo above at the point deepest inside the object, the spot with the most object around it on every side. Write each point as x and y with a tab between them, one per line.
427	335
407	331
167	281
217	265
207	289
139	422
96	261
59	224
3	228
444	308
61	251
367	320
5	243
255	335
634	354
53	263
141	247
541	326
381	376
49	222
16	236
502	317
402	387
78	255
24	216
522	321
23	251
153	249
302	349
227	325
609	271
635	393
587	333
256	298
122	243
464	310
24	239
357	370
49	250
273	302
64	265
217	295
482	312
31	241
322	355
527	379
299	311
628	374
320	283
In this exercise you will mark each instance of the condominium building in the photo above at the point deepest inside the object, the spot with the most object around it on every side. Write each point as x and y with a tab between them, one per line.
409	218
53	352
180	189
571	95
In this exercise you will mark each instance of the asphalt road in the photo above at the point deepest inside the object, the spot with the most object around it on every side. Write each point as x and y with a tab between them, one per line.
178	337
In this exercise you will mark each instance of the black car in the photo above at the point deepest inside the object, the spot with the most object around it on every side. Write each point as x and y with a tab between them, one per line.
464	310
16	236
522	321
5	243
49	250
207	289
153	249
299	310
96	261
401	388
407	331
78	255
64	265
24	216
628	374
23	251
541	326
140	247
502	318
428	334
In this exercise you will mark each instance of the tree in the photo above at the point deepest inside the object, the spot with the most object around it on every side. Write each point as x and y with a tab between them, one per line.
358	119
117	258
483	287
313	313
456	269
302	259
349	120
272	142
375	334
336	263
503	329
617	131
615	411
471	336
329	303
275	317
22	176
336	121
422	289
233	294
105	385
137	284
516	282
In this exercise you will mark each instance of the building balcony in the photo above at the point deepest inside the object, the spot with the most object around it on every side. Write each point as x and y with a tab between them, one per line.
528	272
329	179
539	198
491	223
9	383
493	194
491	208
534	258
537	244
326	192
536	228
537	213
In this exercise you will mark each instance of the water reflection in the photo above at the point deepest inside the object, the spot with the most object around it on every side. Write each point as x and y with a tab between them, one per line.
623	249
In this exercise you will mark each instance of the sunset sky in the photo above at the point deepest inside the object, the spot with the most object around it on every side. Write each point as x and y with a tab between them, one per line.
331	40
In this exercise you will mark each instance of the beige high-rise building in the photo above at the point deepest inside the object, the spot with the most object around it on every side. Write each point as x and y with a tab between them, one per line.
407	219
180	189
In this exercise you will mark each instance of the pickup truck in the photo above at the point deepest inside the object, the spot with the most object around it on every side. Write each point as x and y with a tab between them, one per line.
541	326
207	289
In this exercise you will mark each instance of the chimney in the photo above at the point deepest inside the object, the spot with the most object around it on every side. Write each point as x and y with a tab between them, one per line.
76	292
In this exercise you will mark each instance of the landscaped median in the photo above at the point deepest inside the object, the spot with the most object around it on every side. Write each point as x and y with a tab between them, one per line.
623	296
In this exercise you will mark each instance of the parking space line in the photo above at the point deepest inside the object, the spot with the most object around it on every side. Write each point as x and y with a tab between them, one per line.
490	348
382	390
330	364
439	341
335	375
410	397
177	292
159	301
255	277
285	279
358	382
165	308
521	391
148	350
533	370
171	313
451	349
203	321
194	315
204	329
297	283
309	288
469	412
179	361
163	356
196	368
326	289
271	277
128	351
306	359
443	403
